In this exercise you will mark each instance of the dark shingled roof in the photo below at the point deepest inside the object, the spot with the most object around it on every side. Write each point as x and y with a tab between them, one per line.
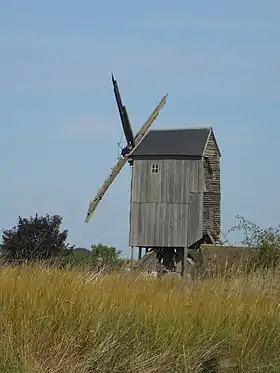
180	142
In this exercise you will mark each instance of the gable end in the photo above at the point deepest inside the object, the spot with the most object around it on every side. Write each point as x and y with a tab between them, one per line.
211	146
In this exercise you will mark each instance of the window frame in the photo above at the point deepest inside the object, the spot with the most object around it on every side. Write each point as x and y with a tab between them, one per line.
155	169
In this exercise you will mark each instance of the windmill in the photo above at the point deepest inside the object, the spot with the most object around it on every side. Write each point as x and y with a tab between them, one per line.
175	204
131	140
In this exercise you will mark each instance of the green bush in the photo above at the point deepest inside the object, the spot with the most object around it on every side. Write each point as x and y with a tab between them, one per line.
99	258
265	240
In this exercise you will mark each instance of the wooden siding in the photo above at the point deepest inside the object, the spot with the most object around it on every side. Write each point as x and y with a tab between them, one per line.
166	208
166	224
195	223
174	183
212	189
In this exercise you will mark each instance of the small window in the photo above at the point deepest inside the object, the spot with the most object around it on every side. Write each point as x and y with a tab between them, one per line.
155	168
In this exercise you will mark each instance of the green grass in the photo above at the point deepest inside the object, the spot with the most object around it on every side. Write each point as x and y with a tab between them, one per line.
66	321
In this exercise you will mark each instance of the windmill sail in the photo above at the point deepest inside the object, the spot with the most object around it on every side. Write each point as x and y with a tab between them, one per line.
116	170
124	117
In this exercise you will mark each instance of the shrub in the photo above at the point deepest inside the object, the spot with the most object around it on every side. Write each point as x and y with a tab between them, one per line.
105	257
36	238
265	240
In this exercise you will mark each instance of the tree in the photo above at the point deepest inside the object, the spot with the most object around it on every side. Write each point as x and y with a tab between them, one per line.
79	256
81	252
105	256
36	238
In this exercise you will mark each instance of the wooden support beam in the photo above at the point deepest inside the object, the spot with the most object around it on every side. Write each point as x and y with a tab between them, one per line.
211	237
185	262
132	255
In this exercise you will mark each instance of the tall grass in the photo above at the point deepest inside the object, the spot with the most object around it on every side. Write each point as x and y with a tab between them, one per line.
68	321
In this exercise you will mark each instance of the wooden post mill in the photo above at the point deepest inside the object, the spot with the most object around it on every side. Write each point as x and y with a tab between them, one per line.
175	193
175	203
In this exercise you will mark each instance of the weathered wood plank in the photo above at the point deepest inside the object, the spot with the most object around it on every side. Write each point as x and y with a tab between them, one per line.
176	179
166	224
212	190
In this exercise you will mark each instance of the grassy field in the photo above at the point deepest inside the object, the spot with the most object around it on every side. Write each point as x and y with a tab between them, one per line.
68	321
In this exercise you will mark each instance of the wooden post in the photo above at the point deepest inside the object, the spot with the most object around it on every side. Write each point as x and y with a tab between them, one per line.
132	255
180	258
185	262
139	253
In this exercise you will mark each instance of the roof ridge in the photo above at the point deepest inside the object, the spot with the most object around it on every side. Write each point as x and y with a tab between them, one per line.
180	129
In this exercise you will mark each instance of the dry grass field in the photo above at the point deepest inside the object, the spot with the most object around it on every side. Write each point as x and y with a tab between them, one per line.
66	321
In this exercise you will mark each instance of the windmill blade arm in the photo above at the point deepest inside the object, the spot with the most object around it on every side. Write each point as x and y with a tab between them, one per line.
118	98
143	130
115	171
128	129
123	115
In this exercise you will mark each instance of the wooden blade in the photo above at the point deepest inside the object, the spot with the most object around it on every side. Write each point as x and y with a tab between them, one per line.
116	170
123	115
143	130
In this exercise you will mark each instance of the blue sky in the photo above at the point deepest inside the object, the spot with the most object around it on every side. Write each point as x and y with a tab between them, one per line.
219	63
